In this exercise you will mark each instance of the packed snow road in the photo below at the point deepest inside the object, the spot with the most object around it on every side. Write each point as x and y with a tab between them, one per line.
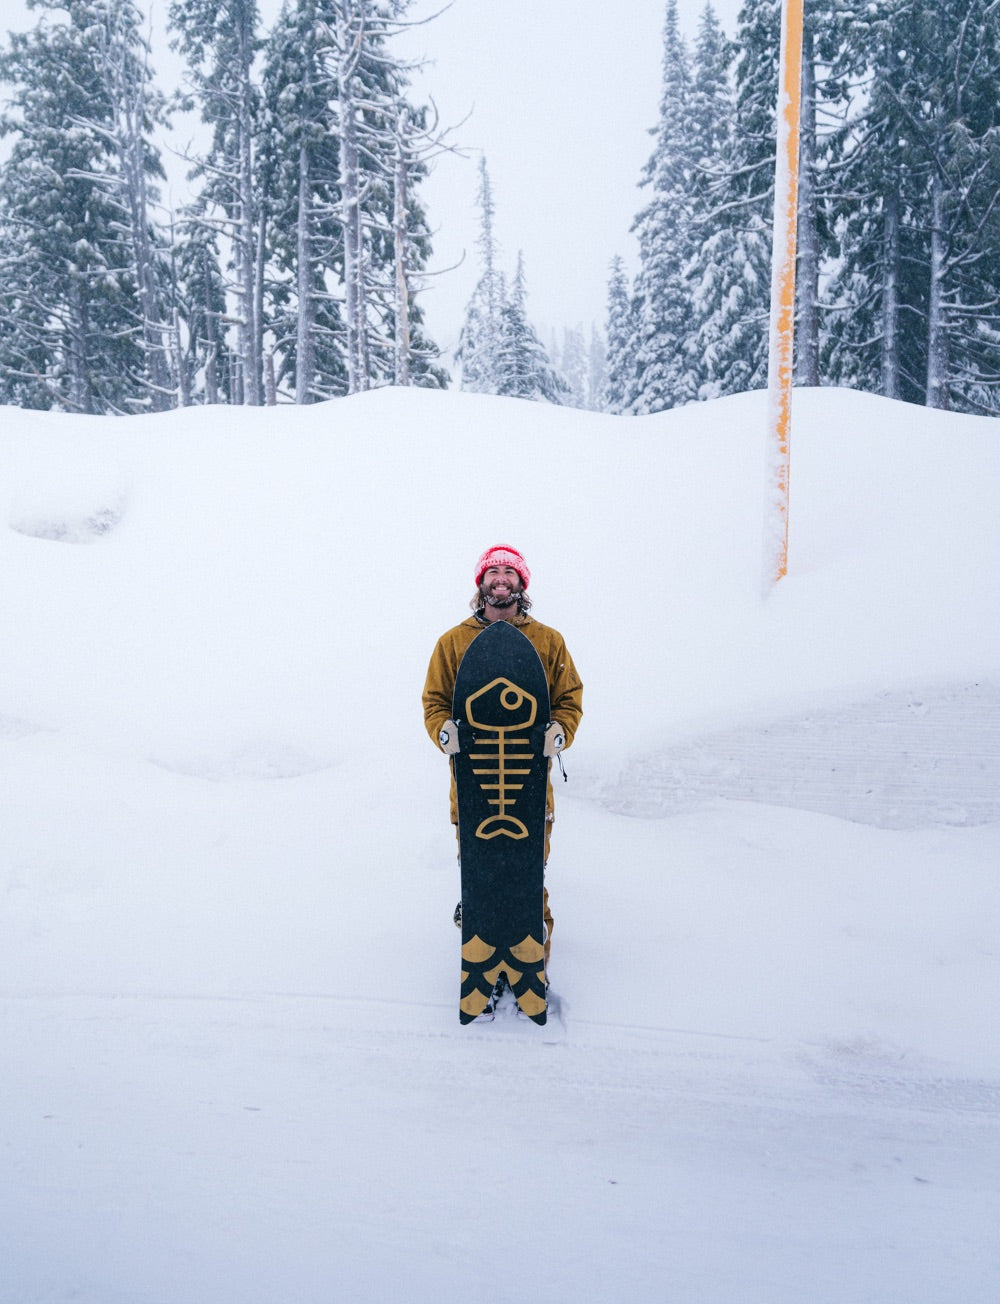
308	1149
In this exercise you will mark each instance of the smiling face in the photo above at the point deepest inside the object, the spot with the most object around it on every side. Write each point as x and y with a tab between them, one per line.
500	586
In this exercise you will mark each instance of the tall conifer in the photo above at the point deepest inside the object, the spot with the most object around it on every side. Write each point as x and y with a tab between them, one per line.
82	311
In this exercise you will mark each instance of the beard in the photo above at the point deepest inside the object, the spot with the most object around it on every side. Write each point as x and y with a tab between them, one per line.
502	603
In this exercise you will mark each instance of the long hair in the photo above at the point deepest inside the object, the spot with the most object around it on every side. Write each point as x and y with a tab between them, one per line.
478	602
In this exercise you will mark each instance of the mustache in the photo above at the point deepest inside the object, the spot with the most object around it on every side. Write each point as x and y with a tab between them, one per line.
487	593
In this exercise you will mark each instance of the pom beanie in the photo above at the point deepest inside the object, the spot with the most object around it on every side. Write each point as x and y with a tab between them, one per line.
502	555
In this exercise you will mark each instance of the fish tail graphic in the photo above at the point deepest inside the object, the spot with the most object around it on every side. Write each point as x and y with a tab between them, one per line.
501	826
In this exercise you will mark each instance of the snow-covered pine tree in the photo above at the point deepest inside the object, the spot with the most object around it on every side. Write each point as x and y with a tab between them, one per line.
82	312
806	360
597	370
917	292
827	66
478	349
877	293
348	237
620	365
498	349
573	366
136	109
199	296
955	84
523	365
710	107
662	304
733	162
413	141
951	101
711	145
220	41
300	158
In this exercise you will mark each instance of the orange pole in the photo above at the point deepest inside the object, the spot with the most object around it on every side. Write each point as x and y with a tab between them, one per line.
782	335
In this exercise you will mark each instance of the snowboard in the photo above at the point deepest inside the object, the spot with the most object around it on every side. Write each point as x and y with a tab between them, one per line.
501	706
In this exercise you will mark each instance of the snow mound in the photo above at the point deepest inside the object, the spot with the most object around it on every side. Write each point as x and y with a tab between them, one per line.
69	499
227	760
889	761
13	727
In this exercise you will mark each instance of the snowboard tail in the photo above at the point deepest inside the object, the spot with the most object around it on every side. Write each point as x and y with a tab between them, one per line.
524	966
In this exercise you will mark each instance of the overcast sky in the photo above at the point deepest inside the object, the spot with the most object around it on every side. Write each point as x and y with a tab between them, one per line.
559	95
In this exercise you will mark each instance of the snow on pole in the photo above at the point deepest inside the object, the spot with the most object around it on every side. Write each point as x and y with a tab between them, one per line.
782	333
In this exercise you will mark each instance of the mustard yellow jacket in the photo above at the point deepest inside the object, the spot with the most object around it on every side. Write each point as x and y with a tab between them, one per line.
565	688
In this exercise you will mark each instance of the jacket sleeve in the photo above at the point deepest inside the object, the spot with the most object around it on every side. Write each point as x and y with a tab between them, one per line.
439	686
565	691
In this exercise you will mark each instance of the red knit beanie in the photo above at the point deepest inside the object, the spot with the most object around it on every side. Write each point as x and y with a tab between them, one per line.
502	555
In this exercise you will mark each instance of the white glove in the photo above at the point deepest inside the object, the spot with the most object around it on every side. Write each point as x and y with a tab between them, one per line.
555	739
448	737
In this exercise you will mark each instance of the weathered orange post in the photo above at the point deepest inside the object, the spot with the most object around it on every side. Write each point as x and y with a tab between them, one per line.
782	336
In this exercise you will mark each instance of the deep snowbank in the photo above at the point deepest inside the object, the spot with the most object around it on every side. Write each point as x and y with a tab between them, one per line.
232	1062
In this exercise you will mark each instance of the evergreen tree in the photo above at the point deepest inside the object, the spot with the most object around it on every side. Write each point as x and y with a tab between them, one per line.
662	312
878	282
479	344
952	107
300	159
342	155
206	373
525	370
573	366
415	354
136	108
620	379
499	350
220	41
730	267
827	66
82	312
917	291
385	234
597	371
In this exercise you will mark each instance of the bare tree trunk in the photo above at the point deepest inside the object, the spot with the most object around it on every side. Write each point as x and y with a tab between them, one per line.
270	385
260	263
246	235
937	327
180	371
400	203
350	188
890	294
305	308
352	222
304	342
80	393
211	335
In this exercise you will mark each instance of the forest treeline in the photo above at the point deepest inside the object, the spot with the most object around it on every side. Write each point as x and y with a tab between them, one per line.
898	266
293	271
293	268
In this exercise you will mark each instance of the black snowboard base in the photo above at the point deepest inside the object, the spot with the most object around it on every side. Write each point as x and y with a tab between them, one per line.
501	705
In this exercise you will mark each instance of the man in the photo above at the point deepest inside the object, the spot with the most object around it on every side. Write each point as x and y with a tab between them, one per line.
502	579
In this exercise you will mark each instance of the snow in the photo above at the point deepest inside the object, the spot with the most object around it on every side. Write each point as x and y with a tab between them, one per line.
231	1063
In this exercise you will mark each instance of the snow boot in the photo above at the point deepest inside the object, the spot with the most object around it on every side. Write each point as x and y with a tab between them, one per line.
490	1008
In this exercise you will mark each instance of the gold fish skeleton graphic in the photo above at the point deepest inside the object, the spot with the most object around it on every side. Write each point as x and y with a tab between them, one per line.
501	713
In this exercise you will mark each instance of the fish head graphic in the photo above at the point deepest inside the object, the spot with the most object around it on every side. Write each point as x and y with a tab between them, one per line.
501	705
